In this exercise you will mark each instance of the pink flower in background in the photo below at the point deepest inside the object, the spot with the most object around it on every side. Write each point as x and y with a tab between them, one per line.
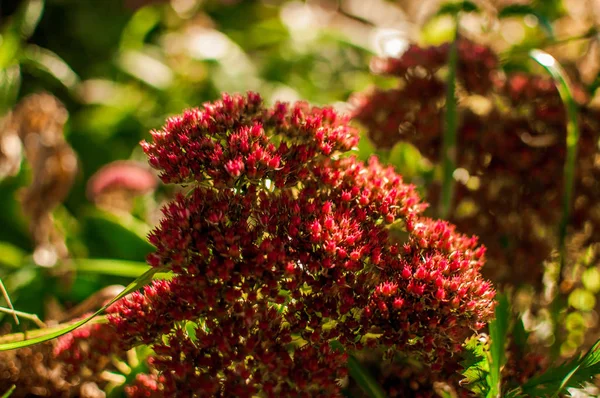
121	175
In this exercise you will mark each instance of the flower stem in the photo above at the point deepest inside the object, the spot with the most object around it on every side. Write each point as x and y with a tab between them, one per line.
551	65
449	139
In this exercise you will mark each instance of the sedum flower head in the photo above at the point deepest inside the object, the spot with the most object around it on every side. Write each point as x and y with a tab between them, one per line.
511	136
285	245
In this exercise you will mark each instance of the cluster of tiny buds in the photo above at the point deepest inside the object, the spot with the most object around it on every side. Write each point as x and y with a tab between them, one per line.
284	248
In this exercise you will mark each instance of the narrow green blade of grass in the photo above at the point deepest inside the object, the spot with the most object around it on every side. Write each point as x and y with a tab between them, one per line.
498	332
565	381
360	375
9	392
551	65
364	379
136	284
127	269
572	374
450	128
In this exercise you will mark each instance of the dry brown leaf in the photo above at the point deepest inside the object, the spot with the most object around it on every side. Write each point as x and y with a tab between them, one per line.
10	148
39	120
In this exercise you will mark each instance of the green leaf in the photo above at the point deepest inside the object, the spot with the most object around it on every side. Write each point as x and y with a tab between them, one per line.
552	66
139	364
53	333
123	268
365	147
476	366
9	49
10	255
30	14
9	392
49	62
190	329
572	374
454	7
116	236
21	26
445	394
520	335
498	332
10	83
139	26
24	21
406	159
552	9
483	360
521	10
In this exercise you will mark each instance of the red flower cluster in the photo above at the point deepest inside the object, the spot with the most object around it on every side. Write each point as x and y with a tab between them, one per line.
511	143
145	386
474	68
87	349
285	246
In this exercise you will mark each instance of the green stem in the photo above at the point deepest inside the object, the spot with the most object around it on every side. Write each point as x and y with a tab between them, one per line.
32	317
9	392
11	309
449	139
551	65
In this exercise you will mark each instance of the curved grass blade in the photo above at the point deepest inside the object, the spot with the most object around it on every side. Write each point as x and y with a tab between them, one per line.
30	334
551	65
136	284
565	381
572	374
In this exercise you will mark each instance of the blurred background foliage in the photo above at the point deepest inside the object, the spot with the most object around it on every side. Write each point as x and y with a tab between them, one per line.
121	67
